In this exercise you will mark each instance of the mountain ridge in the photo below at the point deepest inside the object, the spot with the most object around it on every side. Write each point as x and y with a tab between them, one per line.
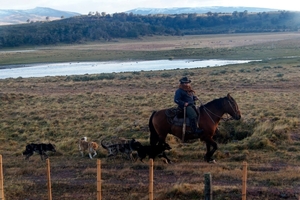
199	10
10	16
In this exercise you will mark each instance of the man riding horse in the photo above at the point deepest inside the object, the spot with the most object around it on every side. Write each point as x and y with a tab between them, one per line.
185	97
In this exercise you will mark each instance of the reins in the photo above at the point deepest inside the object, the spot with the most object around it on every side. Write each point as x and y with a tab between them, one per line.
208	112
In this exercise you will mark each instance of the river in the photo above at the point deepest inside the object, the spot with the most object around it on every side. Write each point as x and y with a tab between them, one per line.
80	68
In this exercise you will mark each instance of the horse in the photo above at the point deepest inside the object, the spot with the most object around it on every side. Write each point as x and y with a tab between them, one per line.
209	115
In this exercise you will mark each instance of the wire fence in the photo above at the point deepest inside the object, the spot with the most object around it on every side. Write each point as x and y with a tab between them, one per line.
148	185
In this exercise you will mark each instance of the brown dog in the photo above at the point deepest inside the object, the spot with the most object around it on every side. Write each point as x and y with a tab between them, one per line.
91	147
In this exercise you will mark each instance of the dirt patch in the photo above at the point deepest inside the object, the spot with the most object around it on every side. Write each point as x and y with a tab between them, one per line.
195	41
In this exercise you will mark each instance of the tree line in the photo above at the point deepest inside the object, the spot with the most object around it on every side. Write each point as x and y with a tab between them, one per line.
95	27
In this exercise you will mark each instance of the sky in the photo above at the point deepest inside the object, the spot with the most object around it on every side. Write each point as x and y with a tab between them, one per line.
117	6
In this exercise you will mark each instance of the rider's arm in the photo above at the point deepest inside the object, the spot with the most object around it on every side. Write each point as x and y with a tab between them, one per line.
177	98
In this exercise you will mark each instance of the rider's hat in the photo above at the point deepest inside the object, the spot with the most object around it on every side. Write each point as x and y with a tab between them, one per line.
185	80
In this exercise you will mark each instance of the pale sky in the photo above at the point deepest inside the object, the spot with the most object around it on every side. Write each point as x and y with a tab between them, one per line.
116	6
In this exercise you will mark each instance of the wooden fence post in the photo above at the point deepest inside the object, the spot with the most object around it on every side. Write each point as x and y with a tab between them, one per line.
207	187
99	180
1	180
49	180
244	189
151	179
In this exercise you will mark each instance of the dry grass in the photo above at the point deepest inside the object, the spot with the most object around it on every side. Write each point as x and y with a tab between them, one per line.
62	110
226	46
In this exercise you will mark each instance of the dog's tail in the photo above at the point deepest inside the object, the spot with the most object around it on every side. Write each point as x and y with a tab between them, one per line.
103	145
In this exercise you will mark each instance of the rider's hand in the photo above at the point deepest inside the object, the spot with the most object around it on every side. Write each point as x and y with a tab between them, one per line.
186	104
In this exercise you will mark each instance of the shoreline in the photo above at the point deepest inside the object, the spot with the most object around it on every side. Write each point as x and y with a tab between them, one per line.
81	68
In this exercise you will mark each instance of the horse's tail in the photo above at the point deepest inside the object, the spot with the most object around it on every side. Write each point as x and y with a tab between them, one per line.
153	134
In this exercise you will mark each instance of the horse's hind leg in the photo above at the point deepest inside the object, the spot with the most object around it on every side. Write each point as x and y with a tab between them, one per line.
210	153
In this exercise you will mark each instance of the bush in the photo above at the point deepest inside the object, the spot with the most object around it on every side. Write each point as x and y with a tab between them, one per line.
165	75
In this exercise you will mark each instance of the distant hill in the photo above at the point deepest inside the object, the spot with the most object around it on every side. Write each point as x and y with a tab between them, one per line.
33	15
100	27
213	9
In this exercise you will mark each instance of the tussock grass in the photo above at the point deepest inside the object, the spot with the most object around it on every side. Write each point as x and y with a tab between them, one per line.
61	110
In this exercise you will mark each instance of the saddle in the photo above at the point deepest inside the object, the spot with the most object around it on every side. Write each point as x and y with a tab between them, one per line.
175	116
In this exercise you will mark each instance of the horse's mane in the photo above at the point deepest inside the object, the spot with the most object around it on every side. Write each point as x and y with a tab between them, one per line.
216	102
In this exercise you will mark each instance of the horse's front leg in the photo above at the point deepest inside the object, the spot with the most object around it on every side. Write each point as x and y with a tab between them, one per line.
210	153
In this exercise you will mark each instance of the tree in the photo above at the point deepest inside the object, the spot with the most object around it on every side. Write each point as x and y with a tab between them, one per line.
235	14
209	13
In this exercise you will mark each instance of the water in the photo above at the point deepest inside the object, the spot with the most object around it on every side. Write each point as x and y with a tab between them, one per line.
80	68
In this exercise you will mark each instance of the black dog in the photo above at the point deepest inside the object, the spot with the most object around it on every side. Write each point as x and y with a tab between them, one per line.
38	148
151	151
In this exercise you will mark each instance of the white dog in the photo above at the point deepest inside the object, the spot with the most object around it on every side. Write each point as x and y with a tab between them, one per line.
91	147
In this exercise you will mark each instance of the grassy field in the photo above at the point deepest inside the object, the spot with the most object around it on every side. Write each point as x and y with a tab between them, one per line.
228	46
61	110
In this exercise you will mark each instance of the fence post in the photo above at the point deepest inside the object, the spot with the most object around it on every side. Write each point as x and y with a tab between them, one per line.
49	180
1	180
244	189
151	179
99	179
207	187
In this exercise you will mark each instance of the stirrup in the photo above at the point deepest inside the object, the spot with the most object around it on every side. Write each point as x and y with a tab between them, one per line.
198	131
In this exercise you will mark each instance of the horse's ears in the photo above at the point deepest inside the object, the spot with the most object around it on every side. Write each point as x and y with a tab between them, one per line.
228	95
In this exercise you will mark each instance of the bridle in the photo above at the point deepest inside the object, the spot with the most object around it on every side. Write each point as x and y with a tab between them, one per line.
209	112
234	110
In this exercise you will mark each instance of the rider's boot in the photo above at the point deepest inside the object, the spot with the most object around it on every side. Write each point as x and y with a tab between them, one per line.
195	129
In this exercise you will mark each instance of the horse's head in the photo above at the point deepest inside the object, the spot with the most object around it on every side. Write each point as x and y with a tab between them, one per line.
232	108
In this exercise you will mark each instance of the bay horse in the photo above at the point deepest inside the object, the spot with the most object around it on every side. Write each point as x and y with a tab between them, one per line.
210	115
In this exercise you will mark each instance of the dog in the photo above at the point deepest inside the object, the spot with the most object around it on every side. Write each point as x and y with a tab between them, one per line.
124	146
91	147
38	148
151	151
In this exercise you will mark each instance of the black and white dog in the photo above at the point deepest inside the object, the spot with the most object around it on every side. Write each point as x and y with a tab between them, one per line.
151	151
38	148
124	146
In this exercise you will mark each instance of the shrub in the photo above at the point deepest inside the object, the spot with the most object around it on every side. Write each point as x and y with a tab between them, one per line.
279	75
165	75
